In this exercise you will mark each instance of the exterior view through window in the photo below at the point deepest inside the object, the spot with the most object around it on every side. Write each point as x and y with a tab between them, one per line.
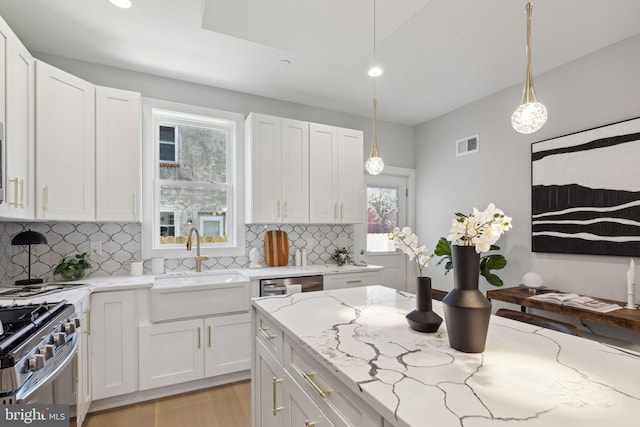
194	179
382	216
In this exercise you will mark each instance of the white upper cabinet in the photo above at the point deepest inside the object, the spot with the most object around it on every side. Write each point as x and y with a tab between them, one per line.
277	170
65	155
336	177
118	148
17	114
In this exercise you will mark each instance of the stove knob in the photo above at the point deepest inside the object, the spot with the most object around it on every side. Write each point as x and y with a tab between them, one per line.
76	322
36	362
47	350
59	338
69	328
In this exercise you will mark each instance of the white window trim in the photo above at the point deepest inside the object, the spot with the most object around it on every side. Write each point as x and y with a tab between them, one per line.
150	198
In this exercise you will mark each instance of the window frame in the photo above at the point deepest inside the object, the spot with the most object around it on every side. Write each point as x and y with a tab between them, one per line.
151	183
176	147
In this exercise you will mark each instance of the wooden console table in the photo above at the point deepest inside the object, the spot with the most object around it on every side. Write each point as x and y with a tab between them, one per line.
623	318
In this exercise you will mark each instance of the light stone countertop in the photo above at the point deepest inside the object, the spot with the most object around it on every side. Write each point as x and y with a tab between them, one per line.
527	376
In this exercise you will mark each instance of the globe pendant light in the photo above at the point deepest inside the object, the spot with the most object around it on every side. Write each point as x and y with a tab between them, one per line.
374	164
530	115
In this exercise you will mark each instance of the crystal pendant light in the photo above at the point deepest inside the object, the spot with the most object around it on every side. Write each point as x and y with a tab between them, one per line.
374	164
530	115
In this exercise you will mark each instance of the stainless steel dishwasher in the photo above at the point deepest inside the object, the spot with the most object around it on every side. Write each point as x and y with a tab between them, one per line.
279	286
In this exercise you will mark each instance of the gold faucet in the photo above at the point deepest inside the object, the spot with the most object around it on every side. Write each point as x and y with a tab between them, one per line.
199	257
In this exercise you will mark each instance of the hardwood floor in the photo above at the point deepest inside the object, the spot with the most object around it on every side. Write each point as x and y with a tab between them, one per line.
224	406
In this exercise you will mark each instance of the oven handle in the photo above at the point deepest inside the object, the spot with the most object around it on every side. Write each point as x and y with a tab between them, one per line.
66	358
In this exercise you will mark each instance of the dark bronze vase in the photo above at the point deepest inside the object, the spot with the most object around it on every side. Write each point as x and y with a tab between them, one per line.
423	319
466	309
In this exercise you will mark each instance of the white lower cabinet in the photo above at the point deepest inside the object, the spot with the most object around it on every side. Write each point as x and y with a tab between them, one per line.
299	392
113	343
350	280
187	350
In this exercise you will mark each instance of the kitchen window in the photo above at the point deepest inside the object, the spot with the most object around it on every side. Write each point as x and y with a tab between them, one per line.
192	179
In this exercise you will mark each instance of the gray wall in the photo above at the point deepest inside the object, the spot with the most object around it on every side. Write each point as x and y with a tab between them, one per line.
395	142
596	90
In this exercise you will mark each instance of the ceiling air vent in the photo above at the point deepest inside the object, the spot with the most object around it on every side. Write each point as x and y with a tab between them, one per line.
468	145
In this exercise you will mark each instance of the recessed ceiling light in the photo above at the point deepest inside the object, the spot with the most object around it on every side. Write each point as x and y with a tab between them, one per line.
124	4
375	71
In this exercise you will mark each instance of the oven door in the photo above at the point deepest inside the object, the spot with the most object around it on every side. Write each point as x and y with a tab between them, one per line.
56	382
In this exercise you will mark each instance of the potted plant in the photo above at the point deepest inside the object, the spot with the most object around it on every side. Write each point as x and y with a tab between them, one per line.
341	256
74	268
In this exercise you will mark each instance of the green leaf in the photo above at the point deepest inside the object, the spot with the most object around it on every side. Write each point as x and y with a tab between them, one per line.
494	262
492	278
443	247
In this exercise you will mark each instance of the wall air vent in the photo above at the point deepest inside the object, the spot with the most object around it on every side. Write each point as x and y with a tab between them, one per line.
468	145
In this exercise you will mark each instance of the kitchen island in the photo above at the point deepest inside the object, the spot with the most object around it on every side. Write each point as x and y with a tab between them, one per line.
347	357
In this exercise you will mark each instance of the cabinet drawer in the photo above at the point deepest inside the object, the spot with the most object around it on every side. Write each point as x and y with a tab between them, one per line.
270	335
342	406
350	280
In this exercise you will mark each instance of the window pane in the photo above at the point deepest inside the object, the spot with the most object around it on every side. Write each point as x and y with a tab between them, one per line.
202	156
382	216
167	133
195	206
167	152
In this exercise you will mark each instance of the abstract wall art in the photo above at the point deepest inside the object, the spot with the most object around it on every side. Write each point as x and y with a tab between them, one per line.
585	196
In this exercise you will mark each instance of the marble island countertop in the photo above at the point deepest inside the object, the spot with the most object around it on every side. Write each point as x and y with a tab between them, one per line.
526	376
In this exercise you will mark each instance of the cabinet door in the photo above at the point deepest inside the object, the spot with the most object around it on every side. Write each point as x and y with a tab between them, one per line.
264	169
267	383
323	177
350	176
83	397
228	344
114	344
118	145
17	115
65	155
295	172
171	353
301	410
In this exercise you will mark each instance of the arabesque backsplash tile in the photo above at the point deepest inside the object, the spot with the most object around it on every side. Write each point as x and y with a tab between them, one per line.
121	243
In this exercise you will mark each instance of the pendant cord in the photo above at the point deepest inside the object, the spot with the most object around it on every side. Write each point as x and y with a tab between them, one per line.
374	148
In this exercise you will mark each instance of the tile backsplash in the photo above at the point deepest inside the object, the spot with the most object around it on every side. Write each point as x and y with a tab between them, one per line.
121	243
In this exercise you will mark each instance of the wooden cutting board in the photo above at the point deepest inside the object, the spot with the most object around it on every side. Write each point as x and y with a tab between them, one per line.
276	248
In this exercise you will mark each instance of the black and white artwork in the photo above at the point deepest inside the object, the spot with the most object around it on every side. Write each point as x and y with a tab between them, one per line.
585	196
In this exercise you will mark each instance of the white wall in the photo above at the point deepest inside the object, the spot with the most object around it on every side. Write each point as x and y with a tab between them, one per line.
395	142
596	90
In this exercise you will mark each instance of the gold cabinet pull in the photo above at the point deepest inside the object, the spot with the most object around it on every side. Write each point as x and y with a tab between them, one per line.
45	196
354	281
134	208
264	333
309	424
21	193
15	192
335	211
321	392
199	344
209	335
278	209
87	329
341	211
285	209
275	381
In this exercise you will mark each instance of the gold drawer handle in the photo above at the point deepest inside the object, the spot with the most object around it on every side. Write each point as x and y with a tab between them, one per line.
321	392
354	281
15	192
276	408
308	424
264	332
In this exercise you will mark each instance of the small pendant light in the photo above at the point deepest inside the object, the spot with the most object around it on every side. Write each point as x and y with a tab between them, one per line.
374	164
530	115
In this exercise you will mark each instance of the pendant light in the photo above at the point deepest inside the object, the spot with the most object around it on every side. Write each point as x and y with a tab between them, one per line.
530	115
374	164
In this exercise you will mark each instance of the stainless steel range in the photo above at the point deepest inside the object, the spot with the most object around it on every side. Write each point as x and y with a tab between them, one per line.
37	343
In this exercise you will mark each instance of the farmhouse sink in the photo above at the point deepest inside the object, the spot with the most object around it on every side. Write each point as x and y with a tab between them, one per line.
181	296
188	280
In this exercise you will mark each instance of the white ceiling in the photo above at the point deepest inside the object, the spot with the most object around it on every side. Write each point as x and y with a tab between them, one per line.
437	55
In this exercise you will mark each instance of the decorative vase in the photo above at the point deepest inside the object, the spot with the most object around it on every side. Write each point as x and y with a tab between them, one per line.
423	319
466	309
